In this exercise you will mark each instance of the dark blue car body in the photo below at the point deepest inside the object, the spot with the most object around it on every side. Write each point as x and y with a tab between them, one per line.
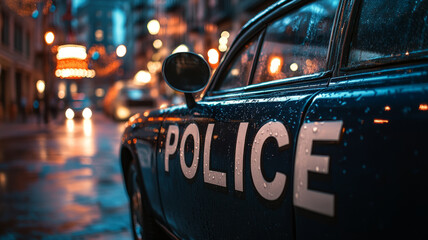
340	152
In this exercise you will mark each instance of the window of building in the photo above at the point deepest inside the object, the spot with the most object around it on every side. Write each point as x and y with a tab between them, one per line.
237	75
27	44
396	29
4	28
3	75
18	38
99	35
297	44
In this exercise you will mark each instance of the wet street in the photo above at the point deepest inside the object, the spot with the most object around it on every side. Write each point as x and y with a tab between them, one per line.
63	181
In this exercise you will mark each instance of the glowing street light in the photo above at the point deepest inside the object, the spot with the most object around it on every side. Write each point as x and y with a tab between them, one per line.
121	50
142	77
72	62
275	65
40	85
49	37
213	56
225	34
181	48
157	43
153	26
294	67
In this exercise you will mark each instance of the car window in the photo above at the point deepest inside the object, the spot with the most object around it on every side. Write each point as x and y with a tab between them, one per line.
396	29
238	73
297	44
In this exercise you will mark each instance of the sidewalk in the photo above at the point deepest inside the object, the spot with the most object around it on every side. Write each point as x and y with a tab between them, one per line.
19	128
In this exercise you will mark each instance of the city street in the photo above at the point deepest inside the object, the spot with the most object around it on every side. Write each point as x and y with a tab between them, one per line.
62	181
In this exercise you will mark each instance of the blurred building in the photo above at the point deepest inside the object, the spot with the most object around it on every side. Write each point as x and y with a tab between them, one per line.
20	64
101	26
193	25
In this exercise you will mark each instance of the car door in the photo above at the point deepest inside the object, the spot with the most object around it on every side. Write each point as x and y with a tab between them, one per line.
377	168
226	166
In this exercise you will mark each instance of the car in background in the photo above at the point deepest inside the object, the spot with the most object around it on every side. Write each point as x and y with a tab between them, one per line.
125	98
79	106
314	126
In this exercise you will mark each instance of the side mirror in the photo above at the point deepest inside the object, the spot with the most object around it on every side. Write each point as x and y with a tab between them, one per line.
187	73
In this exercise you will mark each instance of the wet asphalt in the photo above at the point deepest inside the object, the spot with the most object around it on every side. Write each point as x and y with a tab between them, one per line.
62	181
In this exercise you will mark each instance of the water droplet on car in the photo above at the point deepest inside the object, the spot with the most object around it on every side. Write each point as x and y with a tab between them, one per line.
315	129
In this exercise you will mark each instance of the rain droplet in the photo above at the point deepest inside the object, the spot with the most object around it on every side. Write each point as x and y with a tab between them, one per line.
264	185
317	168
296	195
315	129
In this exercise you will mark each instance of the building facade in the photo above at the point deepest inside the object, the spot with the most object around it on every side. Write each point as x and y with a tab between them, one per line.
20	65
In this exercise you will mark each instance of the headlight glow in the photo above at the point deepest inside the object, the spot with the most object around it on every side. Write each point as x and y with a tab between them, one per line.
122	112
69	113
87	113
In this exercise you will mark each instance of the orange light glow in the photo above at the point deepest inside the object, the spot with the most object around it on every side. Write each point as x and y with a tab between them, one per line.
275	65
387	108
423	107
213	56
380	121
72	62
49	37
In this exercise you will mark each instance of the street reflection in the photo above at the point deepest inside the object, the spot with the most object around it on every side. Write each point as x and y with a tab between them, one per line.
3	181
43	154
87	127
70	125
64	183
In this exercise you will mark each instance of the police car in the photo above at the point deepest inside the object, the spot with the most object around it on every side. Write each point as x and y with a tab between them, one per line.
314	126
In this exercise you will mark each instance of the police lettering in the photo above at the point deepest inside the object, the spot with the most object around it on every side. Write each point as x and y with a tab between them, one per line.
303	197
